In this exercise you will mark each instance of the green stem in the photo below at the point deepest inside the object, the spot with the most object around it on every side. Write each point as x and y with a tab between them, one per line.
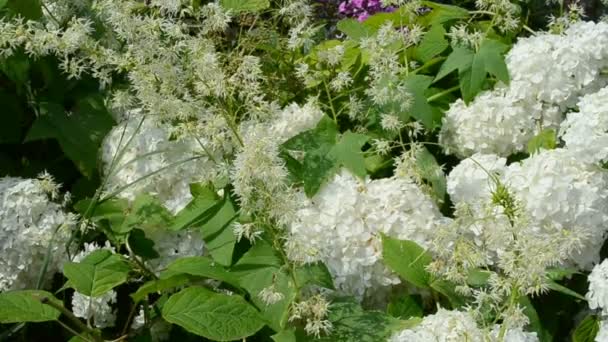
443	93
331	102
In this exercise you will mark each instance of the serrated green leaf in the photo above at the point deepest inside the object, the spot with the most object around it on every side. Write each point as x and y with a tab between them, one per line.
201	267
347	153
441	13
545	139
79	134
211	315
260	254
141	245
352	323
587	330
420	109
405	306
238	6
354	29
201	209
459	59
432	172
146	213
314	274
218	234
160	285
432	44
491	51
25	306
408	260
97	273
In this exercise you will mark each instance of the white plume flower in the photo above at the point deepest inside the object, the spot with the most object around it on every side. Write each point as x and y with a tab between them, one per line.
30	224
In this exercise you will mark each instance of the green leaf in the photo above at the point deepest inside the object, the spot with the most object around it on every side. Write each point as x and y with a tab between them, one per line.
211	315
545	139
562	289
432	172
25	306
79	134
288	335
587	330
29	9
535	323
201	209
559	273
3	3
17	68
407	259
447	289
159	285
146	213
352	323
12	119
405	306
441	13
478	277
432	44
460	59
421	110
97	274
315	274
238	6
201	267
354	29
217	232
488	59
113	210
347	153
260	254
141	245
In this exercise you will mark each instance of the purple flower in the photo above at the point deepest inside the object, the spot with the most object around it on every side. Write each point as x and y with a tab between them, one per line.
362	9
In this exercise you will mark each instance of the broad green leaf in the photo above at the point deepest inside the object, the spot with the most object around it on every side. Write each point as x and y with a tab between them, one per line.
432	172
478	277
28	9
288	335
318	167
352	323
160	285
448	290
3	3
491	51
432	44
218	235
98	273
25	306
347	153
407	259
211	315
314	274
472	81
145	213
562	289
238	6
535	323
421	110
202	208
80	134
460	59
141	245
587	329
441	13
201	267
405	306
354	29
545	139
260	254
16	68
113	210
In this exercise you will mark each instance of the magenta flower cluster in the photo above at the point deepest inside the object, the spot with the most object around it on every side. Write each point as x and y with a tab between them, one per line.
362	9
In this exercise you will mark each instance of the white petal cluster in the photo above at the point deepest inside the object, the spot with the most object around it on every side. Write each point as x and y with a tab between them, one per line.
98	309
342	223
586	131
444	326
503	120
553	188
294	119
30	224
602	334
172	245
141	157
597	296
512	335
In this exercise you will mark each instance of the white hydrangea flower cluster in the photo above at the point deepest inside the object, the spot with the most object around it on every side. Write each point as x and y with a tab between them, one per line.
577	192
30	224
586	131
503	120
171	246
456	326
342	223
295	119
597	296
138	157
99	309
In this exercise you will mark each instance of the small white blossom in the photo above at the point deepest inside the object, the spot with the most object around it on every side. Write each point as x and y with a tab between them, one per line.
597	296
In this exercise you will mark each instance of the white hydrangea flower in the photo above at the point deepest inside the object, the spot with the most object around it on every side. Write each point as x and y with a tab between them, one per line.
472	180
494	123
30	223
513	335
597	296
98	309
444	326
342	223
586	131
295	119
157	165
172	245
90	248
159	328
